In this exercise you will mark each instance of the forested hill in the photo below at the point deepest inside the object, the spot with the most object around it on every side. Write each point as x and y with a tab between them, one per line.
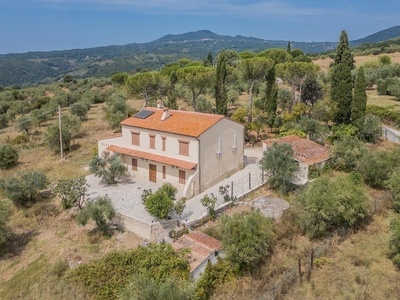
380	36
40	67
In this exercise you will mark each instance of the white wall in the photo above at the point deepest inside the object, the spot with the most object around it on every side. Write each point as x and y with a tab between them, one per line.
212	167
172	143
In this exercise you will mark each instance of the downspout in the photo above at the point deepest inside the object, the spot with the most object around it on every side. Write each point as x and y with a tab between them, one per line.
197	138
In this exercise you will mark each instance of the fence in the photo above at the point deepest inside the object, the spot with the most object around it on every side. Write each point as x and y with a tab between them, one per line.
302	269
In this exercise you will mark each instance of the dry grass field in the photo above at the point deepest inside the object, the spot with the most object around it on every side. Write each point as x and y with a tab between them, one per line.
324	63
358	269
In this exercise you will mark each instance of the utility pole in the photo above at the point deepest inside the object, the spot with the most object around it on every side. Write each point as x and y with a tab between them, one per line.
59	127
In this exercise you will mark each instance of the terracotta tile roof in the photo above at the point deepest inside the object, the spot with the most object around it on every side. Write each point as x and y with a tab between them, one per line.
183	164
201	245
305	151
109	137
181	122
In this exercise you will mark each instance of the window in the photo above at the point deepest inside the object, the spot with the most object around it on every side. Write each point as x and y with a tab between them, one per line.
164	144
135	138
152	141
164	172
134	164
182	177
183	147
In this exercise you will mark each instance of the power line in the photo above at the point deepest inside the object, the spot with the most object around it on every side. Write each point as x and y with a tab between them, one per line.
28	120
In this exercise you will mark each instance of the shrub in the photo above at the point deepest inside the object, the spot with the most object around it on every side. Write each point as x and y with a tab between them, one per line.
393	184
209	202
371	130
377	167
4	230
107	277
160	203
347	151
101	211
25	190
247	239
8	156
140	287
279	163
213	276
394	242
331	202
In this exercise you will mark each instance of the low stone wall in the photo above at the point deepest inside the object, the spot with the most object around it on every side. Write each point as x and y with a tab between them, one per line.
155	232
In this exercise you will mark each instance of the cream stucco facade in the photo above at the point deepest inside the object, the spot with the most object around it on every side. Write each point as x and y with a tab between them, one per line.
192	159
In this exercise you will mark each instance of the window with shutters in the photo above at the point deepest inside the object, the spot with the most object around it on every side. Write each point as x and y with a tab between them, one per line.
163	143
152	141
135	138
184	148
164	172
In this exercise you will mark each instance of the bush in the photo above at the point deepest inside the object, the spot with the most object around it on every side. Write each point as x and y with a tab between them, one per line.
140	287
330	202
394	242
100	210
347	151
4	230
377	167
8	156
388	116
371	130
279	163
393	184
24	190
213	276
107	277
247	239
161	203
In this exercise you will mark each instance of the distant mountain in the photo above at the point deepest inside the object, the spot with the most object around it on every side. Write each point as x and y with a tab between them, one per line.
380	36
41	67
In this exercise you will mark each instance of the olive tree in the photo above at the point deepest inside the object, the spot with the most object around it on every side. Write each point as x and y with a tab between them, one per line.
108	167
24	189
8	156
280	166
72	192
100	210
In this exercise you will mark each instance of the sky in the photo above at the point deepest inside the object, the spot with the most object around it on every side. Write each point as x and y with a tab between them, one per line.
43	25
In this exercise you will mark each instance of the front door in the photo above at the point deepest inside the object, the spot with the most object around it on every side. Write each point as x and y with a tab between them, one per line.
152	173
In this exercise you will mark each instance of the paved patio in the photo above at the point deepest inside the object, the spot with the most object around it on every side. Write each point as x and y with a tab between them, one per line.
126	195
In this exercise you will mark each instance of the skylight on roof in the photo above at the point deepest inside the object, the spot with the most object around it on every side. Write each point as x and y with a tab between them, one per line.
143	114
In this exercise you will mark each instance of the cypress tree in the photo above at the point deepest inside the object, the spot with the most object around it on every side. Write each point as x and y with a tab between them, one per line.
289	47
342	93
359	103
271	94
208	61
342	84
343	54
221	96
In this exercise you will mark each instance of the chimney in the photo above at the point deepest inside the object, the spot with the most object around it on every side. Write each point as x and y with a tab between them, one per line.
160	104
165	114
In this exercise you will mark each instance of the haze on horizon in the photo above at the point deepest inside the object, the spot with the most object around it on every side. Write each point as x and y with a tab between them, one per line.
43	25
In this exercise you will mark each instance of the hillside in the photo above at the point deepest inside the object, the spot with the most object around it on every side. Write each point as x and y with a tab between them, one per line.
43	67
380	36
